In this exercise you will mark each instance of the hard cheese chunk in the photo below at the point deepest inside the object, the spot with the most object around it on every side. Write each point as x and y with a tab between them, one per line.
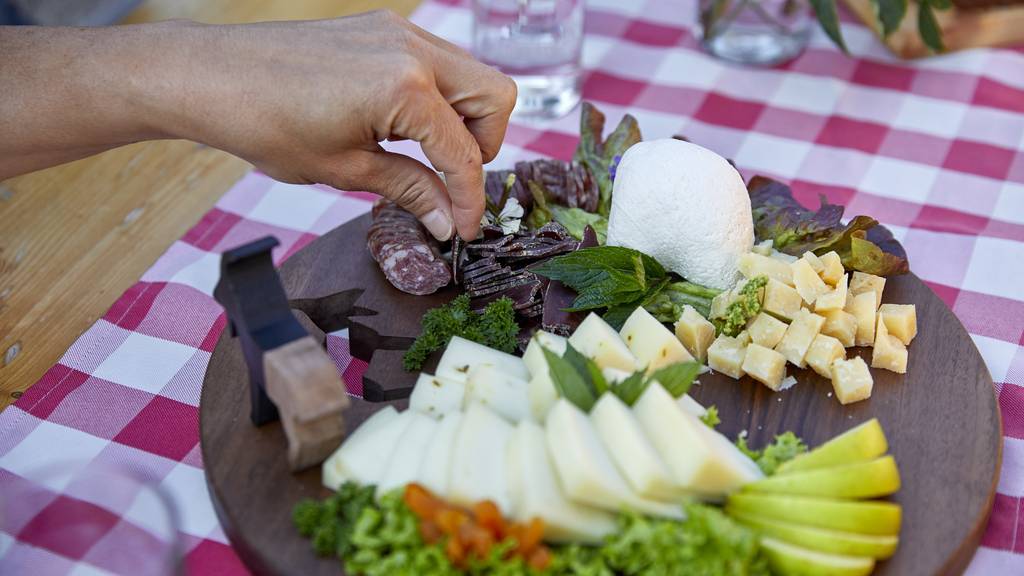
781	300
851	380
840	325
630	450
437	458
863	309
815	262
653	345
436	396
823	352
766	330
541	496
797	340
698	458
863	282
765	365
752	265
332	471
807	282
505	395
726	354
363	457
595	339
541	391
478	459
833	271
585	469
889	353
461	355
900	320
405	460
834	299
695	332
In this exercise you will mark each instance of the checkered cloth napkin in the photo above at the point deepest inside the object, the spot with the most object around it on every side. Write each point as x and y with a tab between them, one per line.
934	149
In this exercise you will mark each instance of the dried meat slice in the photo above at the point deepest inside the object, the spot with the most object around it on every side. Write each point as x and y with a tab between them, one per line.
409	258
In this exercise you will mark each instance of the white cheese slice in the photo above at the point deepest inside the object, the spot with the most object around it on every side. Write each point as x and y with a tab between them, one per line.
504	394
653	345
478	460
541	390
437	458
595	339
688	404
461	355
405	460
331	474
363	459
436	396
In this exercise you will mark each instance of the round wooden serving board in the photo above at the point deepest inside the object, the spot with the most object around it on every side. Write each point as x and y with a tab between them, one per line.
941	418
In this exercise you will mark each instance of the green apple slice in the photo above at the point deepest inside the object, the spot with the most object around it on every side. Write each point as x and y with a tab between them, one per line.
863	442
793	560
871	517
871	479
846	543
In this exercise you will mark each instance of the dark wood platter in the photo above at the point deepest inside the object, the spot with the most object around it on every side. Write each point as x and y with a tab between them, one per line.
941	418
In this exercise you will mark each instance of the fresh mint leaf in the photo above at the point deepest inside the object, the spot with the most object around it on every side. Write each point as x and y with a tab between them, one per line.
630	389
603	276
676	378
890	14
711	417
588	369
568	381
827	15
928	26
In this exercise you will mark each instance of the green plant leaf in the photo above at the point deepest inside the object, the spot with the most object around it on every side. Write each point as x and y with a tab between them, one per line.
711	417
827	15
676	378
568	382
541	213
928	27
588	369
890	14
603	276
630	389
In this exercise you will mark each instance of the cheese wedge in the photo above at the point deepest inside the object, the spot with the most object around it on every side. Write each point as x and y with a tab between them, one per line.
765	365
695	332
653	345
437	458
461	355
505	395
863	282
596	340
807	282
436	396
797	340
863	309
364	457
541	391
332	476
404	463
753	265
900	321
478	459
833	268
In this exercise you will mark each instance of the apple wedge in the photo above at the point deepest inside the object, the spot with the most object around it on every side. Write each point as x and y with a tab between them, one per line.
786	558
869	517
830	541
863	442
870	479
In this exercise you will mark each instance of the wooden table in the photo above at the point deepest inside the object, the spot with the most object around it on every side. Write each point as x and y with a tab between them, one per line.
74	237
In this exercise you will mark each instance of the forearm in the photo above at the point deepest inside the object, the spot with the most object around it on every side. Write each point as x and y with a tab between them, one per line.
67	93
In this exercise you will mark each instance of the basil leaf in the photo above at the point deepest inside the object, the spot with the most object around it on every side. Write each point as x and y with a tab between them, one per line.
630	389
829	18
890	14
676	378
928	27
588	369
568	382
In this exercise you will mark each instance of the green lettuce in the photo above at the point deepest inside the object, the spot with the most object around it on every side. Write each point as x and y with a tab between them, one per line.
601	156
784	448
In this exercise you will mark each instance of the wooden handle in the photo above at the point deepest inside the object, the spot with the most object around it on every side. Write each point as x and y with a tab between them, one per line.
302	380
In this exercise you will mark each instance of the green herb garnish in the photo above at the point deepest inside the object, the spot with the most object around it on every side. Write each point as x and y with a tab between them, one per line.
495	327
601	156
784	448
710	417
677	378
746	305
569	382
603	276
331	522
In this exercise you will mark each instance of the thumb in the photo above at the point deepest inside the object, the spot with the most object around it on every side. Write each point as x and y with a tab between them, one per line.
404	181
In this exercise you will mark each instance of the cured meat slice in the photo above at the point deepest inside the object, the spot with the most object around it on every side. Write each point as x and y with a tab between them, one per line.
408	256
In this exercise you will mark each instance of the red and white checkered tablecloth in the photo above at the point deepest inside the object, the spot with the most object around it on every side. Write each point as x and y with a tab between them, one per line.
934	149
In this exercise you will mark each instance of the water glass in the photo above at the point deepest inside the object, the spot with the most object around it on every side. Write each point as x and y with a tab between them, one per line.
538	43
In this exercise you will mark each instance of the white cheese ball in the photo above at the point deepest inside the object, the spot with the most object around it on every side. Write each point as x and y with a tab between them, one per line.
685	206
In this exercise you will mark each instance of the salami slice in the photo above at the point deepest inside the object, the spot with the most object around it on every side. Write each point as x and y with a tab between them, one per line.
408	256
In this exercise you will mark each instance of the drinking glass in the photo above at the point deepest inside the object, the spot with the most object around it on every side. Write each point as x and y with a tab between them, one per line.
755	32
538	43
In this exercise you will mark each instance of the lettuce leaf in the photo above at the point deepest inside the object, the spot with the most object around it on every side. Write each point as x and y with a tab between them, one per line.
601	156
862	243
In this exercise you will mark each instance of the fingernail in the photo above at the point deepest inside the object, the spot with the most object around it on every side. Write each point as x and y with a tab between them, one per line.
438	223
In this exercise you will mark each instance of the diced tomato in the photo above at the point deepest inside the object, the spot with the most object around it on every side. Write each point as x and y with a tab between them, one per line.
455	551
489	516
449	520
430	532
477	539
529	536
539	559
422	503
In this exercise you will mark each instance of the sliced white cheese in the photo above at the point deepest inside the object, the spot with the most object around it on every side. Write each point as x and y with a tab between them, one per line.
688	404
697	459
653	345
436	396
539	495
595	339
363	459
585	469
505	395
437	459
541	391
405	460
331	474
461	355
630	450
478	459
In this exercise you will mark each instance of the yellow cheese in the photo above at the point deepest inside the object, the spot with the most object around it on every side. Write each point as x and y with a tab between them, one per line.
833	268
815	262
766	330
823	351
889	353
834	299
840	325
807	282
781	300
653	345
726	354
851	380
863	282
900	320
695	332
798	337
863	309
765	365
752	265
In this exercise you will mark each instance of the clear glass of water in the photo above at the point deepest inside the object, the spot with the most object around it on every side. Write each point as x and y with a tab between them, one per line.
538	43
755	32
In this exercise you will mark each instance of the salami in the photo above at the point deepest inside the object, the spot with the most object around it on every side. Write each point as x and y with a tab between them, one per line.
408	256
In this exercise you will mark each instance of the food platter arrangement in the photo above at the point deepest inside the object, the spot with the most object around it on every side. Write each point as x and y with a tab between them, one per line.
643	365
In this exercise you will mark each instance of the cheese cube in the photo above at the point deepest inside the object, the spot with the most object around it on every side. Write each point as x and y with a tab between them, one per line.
783	257
764	248
695	332
900	320
889	353
765	365
840	325
823	351
726	354
766	330
815	262
807	282
863	282
863	308
851	380
833	268
653	345
781	300
798	337
595	339
834	299
753	265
